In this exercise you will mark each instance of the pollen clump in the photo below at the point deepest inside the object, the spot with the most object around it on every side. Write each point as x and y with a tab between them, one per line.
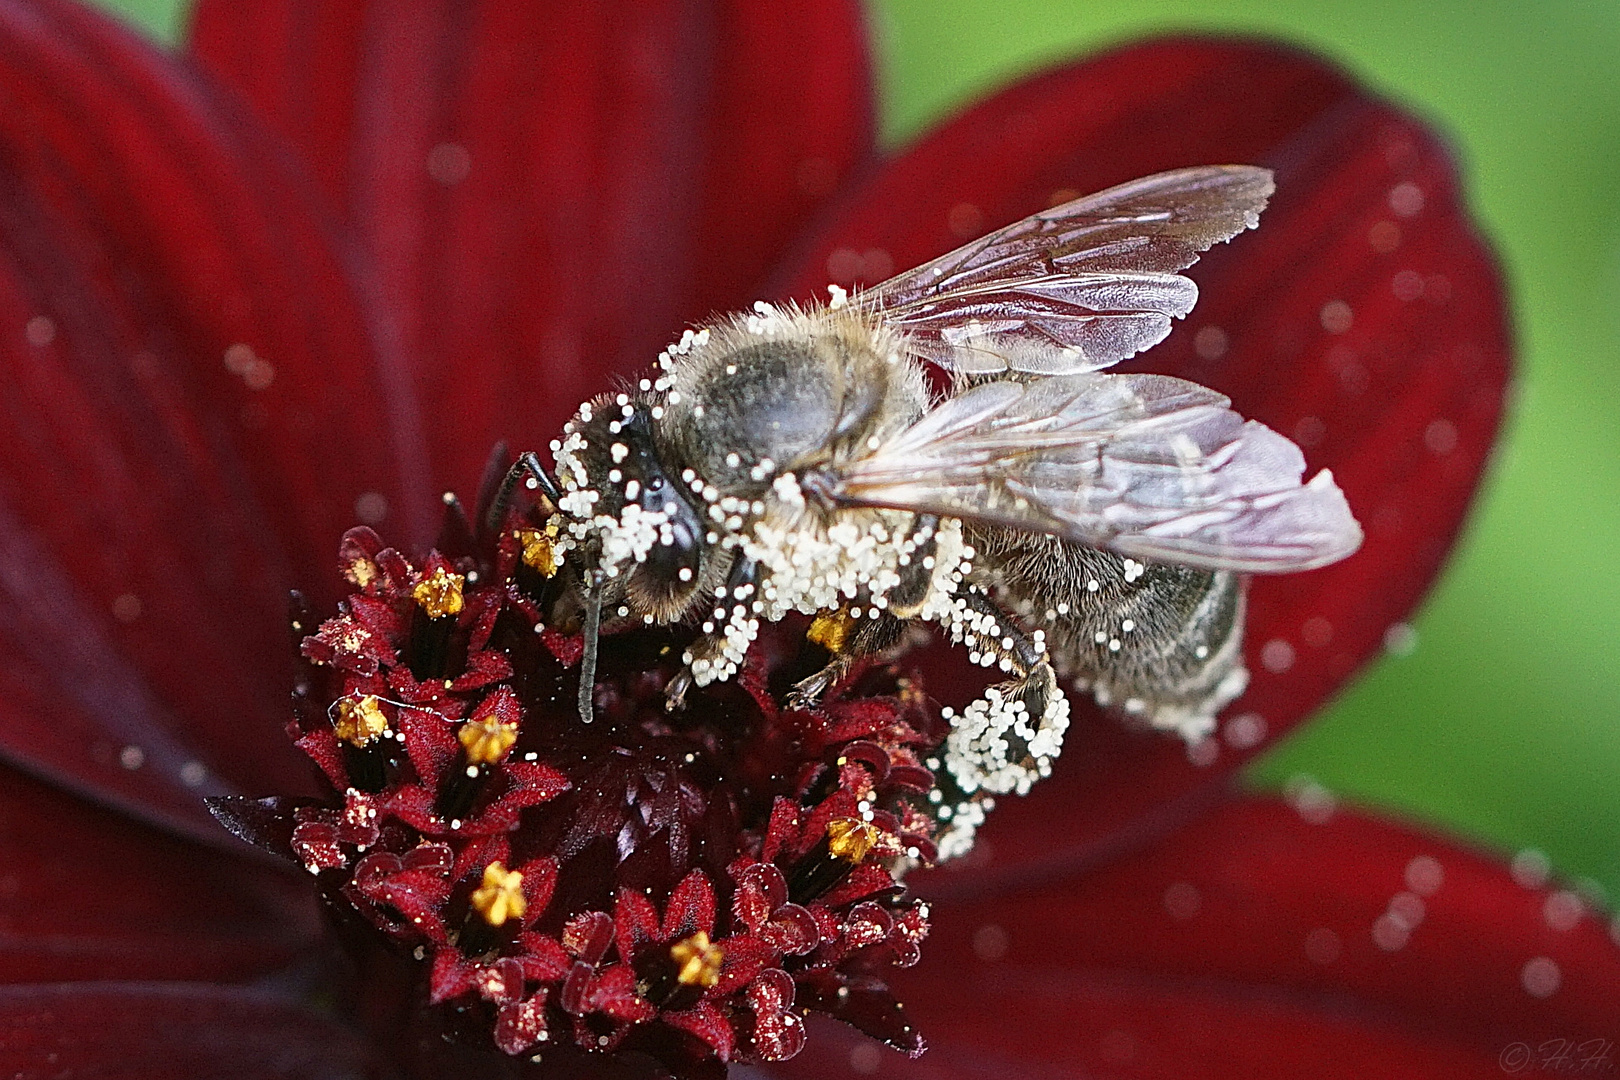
500	896
831	630
439	594
850	839
360	571
539	550
697	960
359	720
486	741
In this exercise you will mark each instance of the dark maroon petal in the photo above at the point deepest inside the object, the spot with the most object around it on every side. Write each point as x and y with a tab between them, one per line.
192	407
1258	943
88	894
552	191
1079	1026
157	1032
1363	318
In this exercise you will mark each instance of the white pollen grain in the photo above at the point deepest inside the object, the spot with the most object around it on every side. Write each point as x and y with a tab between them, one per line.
1541	977
1336	316
1277	656
1424	875
1406	199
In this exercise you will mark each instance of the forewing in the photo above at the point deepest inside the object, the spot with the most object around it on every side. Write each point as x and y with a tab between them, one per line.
1078	287
1148	466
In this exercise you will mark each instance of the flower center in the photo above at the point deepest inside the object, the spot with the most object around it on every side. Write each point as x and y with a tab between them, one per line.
686	885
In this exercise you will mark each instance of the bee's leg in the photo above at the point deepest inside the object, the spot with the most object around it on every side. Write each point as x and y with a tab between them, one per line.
995	637
850	639
528	470
727	633
1007	739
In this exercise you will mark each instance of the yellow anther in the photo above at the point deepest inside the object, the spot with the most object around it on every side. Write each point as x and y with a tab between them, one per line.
361	572
850	839
439	593
500	897
539	550
697	960
486	741
359	721
831	629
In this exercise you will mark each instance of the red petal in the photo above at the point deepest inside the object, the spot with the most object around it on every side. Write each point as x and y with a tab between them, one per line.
1255	943
87	894
157	1032
154	505
690	907
1402	405
552	191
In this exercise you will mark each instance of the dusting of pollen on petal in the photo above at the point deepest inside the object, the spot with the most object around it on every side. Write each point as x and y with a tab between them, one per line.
439	594
697	960
500	896
359	720
486	741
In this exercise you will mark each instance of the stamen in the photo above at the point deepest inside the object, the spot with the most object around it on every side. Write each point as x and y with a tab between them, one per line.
845	846
850	839
439	594
540	550
439	600
697	960
486	741
691	966
359	721
831	630
500	897
361	571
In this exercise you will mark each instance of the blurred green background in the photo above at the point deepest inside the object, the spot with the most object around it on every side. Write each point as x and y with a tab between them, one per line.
1504	723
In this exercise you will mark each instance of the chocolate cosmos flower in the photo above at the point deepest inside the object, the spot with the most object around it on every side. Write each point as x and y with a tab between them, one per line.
311	275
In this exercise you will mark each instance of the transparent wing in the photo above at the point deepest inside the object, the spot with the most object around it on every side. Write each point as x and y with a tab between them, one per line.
1145	465
1078	287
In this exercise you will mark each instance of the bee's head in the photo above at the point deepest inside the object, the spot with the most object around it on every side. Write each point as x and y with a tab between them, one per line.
626	516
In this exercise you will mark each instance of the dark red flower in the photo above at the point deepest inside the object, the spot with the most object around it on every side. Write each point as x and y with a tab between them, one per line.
314	273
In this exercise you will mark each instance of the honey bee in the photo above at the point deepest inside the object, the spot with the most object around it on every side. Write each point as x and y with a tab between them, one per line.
1062	523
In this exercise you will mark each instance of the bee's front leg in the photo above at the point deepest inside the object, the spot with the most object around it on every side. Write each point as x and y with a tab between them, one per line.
731	627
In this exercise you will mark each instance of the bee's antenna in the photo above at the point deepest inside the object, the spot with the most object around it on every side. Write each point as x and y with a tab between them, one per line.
587	659
527	469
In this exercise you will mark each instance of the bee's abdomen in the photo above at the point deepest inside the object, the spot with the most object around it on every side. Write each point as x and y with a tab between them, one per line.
1158	641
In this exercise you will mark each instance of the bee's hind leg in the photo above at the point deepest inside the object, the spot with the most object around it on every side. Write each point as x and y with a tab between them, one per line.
1007	739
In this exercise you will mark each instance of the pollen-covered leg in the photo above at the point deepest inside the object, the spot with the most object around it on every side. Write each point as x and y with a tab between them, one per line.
1009	738
731	627
850	638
